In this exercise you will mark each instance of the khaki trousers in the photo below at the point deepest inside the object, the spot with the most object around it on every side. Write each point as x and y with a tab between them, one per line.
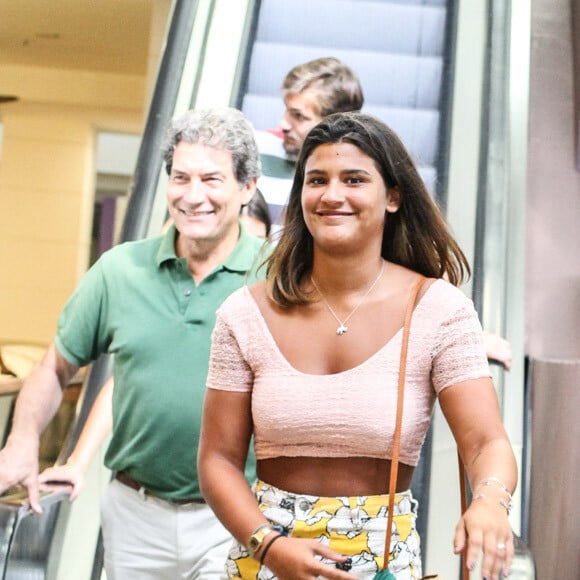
147	538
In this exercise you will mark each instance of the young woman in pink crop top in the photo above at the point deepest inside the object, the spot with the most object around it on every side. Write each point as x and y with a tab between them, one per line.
308	361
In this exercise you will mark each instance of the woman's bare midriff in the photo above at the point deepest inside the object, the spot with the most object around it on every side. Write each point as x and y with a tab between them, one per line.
330	477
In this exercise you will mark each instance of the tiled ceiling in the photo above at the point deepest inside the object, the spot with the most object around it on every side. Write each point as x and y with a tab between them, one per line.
96	35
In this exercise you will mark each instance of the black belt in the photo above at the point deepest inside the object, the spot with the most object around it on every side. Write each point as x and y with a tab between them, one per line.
134	484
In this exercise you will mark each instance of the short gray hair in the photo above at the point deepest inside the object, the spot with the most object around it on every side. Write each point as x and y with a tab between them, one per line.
220	128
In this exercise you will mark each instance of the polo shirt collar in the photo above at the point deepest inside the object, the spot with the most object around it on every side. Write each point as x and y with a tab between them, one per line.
240	260
166	250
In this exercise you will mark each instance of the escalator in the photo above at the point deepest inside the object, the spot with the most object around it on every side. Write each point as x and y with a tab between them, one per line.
404	54
399	50
27	539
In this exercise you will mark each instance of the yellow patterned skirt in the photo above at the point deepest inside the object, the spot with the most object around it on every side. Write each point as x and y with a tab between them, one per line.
352	526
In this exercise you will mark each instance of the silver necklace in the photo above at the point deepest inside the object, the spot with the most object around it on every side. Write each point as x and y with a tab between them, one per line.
342	328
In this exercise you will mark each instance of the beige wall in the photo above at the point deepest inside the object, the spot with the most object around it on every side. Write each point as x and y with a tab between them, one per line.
47	185
553	230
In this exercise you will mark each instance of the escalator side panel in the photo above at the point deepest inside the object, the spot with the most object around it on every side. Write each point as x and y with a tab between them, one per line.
31	544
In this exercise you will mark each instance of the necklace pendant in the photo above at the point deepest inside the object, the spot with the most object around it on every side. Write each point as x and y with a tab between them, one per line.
341	329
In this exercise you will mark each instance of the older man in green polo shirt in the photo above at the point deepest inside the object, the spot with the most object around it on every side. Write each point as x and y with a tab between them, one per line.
152	304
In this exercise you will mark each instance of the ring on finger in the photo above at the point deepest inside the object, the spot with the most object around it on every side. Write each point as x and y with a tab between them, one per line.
500	546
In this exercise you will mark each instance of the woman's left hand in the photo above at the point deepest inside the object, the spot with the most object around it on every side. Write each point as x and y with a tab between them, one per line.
485	527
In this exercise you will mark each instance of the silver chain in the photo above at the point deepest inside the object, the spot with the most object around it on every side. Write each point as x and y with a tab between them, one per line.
342	329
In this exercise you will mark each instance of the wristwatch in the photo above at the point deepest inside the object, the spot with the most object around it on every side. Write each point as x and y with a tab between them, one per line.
258	537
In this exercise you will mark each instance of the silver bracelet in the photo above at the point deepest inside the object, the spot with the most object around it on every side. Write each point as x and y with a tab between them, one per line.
494	481
507	505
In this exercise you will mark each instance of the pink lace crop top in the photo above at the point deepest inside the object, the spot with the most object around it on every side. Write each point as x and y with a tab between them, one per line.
352	413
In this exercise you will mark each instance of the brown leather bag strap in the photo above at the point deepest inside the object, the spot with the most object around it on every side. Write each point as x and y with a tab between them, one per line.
399	419
397	436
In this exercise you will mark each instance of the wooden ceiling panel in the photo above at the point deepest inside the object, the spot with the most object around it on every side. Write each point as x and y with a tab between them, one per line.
103	35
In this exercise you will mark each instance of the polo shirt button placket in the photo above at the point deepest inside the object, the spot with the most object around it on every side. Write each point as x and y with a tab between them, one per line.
187	292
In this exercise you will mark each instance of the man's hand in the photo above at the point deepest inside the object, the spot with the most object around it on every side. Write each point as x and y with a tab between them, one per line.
36	404
19	466
498	349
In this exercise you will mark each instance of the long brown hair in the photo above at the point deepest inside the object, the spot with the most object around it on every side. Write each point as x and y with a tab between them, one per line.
416	236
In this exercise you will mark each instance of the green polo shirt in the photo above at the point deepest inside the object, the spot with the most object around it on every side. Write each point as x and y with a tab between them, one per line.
140	303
